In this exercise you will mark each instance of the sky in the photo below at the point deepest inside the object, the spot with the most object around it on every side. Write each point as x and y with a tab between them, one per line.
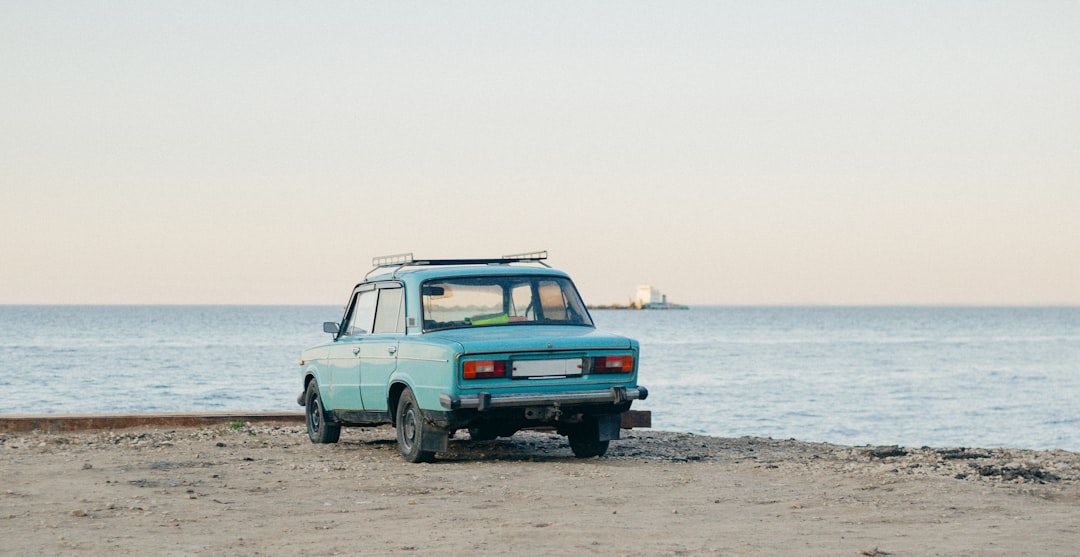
724	152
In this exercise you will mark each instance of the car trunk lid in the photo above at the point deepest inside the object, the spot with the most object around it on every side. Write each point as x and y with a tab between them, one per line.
540	338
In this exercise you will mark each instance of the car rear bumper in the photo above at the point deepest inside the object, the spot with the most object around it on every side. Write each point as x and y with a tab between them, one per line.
484	401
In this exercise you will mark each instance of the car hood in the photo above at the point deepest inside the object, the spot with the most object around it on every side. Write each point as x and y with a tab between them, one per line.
527	338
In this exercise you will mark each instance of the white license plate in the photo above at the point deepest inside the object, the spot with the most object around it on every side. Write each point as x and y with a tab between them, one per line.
547	368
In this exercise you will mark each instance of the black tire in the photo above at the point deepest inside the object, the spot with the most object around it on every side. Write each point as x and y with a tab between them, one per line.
319	429
410	429
585	439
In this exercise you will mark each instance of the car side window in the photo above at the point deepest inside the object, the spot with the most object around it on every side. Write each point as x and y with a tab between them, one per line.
521	297
390	314
363	314
552	300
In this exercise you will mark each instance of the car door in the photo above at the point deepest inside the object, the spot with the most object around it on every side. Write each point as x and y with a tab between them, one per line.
346	352
378	354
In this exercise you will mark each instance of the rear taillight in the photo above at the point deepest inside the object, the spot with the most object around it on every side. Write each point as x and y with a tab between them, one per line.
613	364
485	369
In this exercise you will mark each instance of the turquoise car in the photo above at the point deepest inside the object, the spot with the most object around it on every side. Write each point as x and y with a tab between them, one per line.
491	346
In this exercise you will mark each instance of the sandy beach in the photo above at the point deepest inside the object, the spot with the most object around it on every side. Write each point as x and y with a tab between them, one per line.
263	489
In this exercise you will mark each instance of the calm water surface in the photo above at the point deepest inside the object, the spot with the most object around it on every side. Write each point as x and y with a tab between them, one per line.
893	375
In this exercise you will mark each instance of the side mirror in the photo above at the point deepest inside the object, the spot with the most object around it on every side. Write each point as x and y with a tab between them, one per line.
330	327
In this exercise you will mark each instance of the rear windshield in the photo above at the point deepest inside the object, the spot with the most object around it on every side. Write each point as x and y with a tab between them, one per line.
507	300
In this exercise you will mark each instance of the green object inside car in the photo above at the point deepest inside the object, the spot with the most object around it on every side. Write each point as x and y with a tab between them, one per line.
497	319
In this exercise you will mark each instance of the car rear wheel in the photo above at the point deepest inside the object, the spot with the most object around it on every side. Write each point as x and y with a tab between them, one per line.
410	429
585	439
319	430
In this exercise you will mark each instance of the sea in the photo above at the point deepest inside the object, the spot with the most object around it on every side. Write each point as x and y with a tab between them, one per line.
909	376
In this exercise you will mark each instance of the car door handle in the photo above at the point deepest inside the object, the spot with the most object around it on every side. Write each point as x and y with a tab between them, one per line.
356	351
391	349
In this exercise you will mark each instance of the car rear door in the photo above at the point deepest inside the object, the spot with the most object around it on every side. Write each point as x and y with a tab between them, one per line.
378	353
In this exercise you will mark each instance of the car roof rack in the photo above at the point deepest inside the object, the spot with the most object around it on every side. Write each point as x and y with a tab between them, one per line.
402	260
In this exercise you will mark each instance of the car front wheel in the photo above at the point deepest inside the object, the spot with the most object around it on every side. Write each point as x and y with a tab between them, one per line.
410	429
319	430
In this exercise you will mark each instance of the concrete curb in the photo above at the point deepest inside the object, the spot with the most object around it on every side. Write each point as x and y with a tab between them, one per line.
17	423
81	422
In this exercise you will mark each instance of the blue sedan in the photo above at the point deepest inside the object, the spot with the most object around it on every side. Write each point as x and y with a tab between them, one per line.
492	346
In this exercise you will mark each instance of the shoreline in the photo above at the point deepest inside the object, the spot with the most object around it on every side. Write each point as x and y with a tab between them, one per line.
262	488
57	423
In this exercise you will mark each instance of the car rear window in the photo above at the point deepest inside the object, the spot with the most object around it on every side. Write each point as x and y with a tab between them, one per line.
503	300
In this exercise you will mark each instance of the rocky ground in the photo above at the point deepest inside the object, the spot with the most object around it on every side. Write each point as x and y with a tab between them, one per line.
245	489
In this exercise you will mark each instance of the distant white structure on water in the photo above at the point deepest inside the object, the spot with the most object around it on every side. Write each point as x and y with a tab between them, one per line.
646	295
651	298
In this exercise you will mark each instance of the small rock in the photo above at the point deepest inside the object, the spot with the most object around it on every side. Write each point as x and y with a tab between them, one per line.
886	452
